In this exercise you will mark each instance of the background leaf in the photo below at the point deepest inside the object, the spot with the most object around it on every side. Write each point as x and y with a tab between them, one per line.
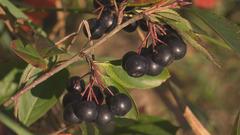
13	9
115	72
29	54
13	125
8	86
225	30
35	103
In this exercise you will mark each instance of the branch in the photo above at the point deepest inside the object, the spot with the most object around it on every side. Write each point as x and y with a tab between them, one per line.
76	58
192	120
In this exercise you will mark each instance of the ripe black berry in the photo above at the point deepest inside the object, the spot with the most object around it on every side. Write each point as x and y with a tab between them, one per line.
120	104
153	68
131	27
113	90
143	25
126	57
136	66
96	29
119	1
75	83
70	98
108	20
69	115
177	46
98	94
97	3
86	110
163	55
104	115
128	8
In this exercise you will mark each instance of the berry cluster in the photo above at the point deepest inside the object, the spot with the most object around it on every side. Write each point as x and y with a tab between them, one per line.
78	105
107	20
167	46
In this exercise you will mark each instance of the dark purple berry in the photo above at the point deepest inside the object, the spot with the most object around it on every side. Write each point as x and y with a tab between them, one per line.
69	116
136	66
126	57
163	55
177	46
86	110
113	90
105	3
108	20
98	93
143	25
75	83
96	29
154	69
104	115
128	8
131	27
120	104
70	98
119	1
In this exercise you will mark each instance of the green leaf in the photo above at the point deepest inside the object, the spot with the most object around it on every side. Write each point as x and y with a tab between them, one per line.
118	75
17	13
147	125
35	103
89	129
8	86
236	126
14	126
220	26
29	54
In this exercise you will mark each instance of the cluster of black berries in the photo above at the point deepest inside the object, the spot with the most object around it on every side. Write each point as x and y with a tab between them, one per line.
153	59
80	107
107	20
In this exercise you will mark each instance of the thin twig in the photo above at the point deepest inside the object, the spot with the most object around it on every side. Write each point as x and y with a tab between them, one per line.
75	58
192	120
195	124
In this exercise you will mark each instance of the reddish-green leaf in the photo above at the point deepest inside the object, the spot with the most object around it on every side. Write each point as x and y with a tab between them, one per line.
28	54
